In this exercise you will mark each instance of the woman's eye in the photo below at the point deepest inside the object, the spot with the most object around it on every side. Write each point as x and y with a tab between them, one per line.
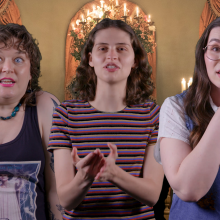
102	48
215	48
18	60
121	48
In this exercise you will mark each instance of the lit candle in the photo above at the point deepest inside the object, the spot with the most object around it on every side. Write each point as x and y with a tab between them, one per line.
149	19
82	18
183	85
101	3
137	11
77	22
116	2
93	9
125	9
73	26
88	13
190	82
97	14
100	14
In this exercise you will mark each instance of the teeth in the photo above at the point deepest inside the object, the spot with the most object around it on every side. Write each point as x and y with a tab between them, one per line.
111	67
6	81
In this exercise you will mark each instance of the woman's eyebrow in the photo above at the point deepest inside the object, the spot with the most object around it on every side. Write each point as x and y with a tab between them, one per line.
108	44
215	39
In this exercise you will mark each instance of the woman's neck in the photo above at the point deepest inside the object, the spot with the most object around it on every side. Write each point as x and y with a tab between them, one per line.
109	98
7	107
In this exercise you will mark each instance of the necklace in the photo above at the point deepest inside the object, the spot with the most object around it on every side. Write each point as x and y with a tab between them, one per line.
16	109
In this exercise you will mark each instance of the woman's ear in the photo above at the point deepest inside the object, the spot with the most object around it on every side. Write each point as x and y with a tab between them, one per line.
90	60
134	64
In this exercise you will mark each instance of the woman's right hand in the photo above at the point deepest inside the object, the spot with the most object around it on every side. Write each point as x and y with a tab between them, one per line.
90	165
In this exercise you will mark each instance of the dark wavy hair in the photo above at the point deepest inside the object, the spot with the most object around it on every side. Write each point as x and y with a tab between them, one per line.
196	102
139	84
10	33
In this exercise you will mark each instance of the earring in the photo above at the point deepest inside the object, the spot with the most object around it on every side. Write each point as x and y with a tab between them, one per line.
29	90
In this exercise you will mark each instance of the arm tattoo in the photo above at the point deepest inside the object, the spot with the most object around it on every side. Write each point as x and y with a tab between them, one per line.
50	213
52	162
52	156
60	208
55	104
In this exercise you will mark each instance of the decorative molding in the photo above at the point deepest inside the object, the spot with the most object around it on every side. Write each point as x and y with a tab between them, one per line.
4	4
212	8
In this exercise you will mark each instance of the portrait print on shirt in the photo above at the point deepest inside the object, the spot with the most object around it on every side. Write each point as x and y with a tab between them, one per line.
18	190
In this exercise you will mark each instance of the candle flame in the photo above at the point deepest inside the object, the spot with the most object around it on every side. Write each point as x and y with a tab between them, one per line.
124	9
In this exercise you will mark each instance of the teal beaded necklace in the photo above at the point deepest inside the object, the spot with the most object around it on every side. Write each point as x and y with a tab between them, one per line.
16	109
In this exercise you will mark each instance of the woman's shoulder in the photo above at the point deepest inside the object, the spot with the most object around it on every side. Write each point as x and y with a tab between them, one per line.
149	104
173	102
46	98
46	103
75	103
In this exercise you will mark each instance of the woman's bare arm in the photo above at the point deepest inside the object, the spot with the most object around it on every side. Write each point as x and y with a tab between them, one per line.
72	187
46	103
191	173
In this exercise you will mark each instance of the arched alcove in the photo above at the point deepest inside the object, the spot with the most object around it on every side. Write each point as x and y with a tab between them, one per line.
131	9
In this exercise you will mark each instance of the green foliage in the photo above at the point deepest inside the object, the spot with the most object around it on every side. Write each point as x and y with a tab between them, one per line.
80	36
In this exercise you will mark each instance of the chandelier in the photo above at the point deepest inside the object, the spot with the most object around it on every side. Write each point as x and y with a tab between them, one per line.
142	25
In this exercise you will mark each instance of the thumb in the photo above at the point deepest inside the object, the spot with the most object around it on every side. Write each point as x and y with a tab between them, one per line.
75	156
113	150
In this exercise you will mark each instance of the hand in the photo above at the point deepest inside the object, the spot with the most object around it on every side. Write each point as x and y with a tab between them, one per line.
90	165
107	171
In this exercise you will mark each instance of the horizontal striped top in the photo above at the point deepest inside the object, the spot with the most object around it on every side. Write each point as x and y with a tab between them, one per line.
78	124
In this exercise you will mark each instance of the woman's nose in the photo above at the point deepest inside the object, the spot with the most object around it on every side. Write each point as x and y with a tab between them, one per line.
112	54
7	66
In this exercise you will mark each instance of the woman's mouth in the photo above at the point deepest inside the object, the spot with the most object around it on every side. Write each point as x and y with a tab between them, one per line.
111	67
7	82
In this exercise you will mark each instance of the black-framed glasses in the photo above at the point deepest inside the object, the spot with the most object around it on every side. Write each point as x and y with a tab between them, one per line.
212	52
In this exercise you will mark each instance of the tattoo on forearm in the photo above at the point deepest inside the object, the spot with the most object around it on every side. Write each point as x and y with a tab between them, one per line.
52	162
60	208
50	213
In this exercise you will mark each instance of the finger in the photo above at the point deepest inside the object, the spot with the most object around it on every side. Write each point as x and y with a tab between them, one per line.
75	156
102	166
113	150
89	159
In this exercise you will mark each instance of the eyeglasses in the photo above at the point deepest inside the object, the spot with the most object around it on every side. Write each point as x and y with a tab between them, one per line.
212	52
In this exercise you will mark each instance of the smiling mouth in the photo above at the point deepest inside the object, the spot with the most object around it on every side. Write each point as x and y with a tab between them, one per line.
6	81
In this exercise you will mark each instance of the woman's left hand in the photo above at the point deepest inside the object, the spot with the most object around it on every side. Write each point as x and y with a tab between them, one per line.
107	171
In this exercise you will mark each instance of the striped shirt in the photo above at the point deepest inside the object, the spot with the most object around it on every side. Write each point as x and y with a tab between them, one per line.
78	124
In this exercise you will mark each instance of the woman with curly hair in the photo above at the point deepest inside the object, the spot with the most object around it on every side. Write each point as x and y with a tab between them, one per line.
103	140
25	122
189	142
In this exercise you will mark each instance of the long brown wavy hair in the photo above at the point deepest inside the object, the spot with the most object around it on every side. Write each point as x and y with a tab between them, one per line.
139	84
196	102
26	43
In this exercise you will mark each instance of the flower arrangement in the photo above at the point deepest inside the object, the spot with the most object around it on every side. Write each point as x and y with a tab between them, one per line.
142	26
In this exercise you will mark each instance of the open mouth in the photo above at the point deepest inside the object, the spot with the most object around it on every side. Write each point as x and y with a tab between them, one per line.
7	81
111	66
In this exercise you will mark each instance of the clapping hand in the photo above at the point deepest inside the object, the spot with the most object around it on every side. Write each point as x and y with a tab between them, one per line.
107	171
90	165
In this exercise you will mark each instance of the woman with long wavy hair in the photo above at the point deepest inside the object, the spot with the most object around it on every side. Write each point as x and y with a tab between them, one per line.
189	142
103	140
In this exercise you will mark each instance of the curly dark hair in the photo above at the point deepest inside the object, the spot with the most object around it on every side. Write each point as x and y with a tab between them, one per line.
196	103
24	42
139	84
